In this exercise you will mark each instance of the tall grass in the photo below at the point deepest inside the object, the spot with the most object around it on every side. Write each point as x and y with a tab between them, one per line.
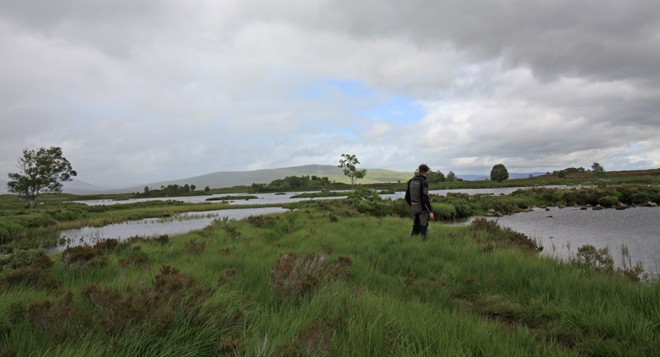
320	282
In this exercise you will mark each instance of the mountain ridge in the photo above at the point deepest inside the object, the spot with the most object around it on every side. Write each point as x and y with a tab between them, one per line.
223	179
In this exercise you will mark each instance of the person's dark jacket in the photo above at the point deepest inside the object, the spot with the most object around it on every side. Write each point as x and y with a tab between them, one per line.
417	193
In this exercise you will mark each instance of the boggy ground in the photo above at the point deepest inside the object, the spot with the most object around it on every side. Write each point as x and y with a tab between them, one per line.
323	280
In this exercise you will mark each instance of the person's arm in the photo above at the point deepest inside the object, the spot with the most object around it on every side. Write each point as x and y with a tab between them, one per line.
426	199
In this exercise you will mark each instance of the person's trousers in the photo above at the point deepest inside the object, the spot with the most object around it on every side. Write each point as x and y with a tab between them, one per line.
420	224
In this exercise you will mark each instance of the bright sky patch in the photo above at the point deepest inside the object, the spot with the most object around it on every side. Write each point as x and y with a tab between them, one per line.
363	101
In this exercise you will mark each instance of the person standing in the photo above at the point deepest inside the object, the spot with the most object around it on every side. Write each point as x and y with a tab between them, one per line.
417	197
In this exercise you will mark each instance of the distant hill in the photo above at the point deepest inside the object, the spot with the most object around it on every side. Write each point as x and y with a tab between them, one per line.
223	179
76	187
512	175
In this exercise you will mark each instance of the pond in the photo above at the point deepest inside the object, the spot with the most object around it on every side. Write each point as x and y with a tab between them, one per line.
154	227
632	235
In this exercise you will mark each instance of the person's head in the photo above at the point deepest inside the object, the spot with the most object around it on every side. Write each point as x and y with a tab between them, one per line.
423	169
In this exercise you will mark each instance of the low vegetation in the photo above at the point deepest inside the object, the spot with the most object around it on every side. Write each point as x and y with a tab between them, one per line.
293	183
21	227
330	278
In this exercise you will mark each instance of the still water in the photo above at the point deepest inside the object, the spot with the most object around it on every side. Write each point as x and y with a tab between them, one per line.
154	227
632	235
287	197
261	199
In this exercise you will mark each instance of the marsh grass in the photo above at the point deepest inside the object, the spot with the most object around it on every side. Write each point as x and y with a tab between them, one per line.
301	283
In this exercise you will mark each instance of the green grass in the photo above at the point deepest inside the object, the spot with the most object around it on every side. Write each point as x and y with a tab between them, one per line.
326	281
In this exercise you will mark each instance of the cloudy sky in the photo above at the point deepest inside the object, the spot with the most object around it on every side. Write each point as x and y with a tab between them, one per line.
138	91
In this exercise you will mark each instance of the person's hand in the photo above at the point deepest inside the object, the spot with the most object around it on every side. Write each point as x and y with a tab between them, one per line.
432	216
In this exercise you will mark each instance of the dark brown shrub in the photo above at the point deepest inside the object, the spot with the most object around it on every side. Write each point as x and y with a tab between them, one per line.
231	231
37	274
84	256
7	352
291	349
295	277
229	346
114	310
340	268
135	257
107	245
194	246
59	321
316	338
262	221
16	313
155	309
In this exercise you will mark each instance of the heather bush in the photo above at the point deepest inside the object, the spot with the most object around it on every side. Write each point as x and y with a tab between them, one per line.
294	277
81	257
31	270
194	246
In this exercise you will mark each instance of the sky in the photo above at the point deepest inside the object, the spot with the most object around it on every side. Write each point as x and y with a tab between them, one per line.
140	91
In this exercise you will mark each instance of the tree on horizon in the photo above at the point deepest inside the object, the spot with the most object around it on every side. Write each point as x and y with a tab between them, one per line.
348	162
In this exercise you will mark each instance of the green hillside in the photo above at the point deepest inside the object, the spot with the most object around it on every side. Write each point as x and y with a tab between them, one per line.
245	178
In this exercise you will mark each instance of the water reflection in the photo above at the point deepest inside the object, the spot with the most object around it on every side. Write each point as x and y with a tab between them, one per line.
154	227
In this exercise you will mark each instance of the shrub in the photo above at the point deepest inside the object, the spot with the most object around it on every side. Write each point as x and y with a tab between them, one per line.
194	246
135	257
107	245
601	259
80	257
608	201
8	352
297	277
33	271
20	259
152	309
59	321
367	201
262	221
503	237
445	211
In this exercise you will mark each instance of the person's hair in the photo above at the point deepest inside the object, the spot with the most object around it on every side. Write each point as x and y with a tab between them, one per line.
423	168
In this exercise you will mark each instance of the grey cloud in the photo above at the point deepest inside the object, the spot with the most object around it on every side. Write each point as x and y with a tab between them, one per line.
156	88
603	40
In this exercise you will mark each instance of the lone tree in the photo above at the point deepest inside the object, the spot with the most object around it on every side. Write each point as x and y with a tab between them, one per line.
348	162
597	168
42	171
499	173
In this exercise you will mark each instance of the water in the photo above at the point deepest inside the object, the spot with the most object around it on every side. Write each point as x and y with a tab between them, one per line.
261	199
632	235
287	197
154	227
